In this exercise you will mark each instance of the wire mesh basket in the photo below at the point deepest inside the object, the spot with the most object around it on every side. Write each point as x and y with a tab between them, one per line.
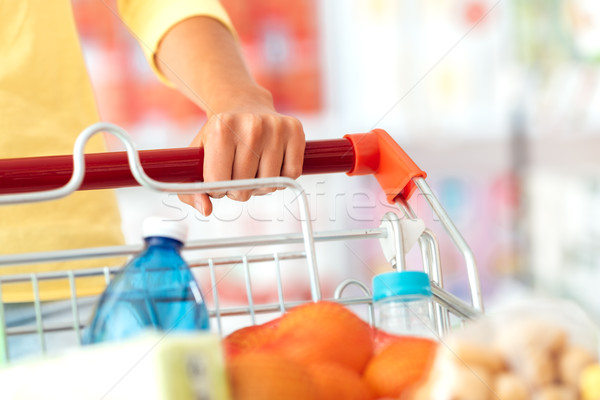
42	326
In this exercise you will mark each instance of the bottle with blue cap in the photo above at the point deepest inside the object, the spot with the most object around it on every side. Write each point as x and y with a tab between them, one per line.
155	290
403	303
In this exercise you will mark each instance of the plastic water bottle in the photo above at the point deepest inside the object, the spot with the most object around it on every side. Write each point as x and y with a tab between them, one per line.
403	304
155	290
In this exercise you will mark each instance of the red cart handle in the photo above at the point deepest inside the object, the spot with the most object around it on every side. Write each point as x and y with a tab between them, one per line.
356	154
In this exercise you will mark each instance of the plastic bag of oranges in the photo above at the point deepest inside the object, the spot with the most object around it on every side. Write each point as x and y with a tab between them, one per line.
324	351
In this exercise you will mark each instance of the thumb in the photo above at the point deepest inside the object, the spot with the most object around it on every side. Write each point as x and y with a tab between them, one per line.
200	202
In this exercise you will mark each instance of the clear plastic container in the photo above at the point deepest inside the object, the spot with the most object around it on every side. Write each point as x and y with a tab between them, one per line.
155	290
403	304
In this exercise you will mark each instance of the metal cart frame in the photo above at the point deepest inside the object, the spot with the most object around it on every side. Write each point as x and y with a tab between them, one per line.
372	153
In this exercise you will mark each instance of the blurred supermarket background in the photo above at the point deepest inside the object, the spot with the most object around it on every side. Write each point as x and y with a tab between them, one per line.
498	100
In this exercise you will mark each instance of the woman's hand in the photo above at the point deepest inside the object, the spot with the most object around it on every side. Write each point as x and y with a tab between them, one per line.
251	142
244	137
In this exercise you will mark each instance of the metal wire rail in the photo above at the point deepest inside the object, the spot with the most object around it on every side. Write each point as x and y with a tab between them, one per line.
374	153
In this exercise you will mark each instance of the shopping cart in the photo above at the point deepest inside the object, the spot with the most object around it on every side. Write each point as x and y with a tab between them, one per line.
28	180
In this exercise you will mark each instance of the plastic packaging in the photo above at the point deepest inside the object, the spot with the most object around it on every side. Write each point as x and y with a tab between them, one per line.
181	367
403	304
155	290
534	349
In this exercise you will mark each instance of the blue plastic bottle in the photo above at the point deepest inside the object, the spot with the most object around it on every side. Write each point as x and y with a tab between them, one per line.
155	290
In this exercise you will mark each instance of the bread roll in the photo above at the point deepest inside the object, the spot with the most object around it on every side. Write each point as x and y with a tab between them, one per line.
572	362
510	386
461	383
556	392
473	355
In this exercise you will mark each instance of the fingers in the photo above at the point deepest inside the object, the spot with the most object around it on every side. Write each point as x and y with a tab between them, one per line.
285	154
248	151
248	145
219	151
201	202
294	150
232	149
270	163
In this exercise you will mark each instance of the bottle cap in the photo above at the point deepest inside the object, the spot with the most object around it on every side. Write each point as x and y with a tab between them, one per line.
165	227
401	283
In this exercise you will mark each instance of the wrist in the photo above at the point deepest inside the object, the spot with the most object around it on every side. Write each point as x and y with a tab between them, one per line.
239	98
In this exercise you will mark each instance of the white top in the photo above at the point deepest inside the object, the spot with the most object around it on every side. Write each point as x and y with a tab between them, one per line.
165	227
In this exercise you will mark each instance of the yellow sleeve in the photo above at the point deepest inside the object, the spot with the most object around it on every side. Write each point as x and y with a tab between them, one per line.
150	20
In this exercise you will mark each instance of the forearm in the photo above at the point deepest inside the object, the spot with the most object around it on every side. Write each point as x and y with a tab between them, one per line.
243	137
202	59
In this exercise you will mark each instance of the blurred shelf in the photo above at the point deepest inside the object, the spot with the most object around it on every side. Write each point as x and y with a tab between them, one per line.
464	158
576	155
562	155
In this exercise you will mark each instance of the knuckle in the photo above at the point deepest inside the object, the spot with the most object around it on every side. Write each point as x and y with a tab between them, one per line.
219	131
216	195
252	122
253	129
293	124
293	172
240	195
274	120
223	120
263	191
245	196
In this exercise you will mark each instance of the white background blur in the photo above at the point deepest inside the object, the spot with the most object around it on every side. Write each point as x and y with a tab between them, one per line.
497	100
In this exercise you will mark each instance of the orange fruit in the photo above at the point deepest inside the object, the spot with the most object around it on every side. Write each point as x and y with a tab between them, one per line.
400	365
249	338
382	339
268	376
324	332
334	382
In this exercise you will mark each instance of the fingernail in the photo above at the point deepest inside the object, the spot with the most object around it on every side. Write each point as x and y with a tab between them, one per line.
200	206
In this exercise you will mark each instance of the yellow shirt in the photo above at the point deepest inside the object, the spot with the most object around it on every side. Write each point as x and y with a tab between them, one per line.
46	100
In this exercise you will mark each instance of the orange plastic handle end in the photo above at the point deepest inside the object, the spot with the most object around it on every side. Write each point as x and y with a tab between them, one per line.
378	154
